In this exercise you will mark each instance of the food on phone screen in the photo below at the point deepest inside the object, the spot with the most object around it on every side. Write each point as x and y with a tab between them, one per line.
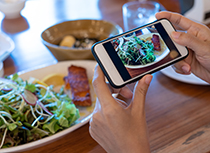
156	42
173	54
138	50
116	43
77	82
128	36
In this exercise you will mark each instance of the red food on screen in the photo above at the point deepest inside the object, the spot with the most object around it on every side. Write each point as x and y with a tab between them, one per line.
156	42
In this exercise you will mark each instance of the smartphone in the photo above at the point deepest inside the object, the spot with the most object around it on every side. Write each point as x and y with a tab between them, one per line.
127	57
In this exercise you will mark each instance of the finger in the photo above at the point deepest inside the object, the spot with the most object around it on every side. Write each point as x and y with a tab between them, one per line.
192	42
101	89
176	19
140	92
124	91
182	68
197	29
122	103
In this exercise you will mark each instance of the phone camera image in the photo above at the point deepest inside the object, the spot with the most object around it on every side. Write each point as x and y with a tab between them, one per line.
127	57
145	49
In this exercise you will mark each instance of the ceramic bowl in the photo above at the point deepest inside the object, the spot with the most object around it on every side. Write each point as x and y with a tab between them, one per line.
12	8
100	29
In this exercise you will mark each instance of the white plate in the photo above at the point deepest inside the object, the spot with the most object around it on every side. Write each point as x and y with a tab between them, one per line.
60	68
191	79
159	54
6	46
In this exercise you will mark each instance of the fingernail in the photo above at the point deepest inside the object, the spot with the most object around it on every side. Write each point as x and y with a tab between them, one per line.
186	69
148	79
175	34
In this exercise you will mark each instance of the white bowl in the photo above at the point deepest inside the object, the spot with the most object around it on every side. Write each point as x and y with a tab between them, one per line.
11	8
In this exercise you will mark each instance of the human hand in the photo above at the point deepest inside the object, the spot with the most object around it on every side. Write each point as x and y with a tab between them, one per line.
115	126
197	38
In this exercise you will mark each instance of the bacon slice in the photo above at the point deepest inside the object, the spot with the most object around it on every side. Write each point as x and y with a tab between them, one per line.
156	42
77	82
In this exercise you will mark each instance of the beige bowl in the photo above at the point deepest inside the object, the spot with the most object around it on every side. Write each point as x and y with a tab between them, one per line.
99	29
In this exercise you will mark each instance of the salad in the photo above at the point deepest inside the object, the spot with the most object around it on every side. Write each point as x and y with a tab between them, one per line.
136	51
30	110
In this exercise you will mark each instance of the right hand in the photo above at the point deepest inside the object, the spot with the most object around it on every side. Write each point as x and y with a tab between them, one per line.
197	39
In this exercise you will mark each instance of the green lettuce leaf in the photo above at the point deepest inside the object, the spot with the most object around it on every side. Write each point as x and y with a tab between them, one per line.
51	126
11	126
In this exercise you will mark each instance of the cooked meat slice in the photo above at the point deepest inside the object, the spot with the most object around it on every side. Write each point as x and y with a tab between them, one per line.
77	82
156	42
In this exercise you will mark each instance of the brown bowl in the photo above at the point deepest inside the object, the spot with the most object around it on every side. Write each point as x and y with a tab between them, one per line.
99	29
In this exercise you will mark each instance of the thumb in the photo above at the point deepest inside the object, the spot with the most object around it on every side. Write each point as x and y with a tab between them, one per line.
192	42
140	91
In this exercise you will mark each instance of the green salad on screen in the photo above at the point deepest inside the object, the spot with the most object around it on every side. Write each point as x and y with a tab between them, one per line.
136	51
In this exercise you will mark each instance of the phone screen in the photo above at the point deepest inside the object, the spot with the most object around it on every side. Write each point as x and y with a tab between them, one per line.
141	51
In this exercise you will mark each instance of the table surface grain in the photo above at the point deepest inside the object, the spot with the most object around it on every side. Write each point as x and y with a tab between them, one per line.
178	114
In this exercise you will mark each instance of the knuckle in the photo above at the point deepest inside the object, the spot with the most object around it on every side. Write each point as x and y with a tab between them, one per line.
195	30
178	20
142	91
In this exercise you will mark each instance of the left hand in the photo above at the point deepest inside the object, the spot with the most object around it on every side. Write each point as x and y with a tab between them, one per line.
116	125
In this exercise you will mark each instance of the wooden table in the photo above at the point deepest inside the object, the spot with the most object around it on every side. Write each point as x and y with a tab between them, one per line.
178	114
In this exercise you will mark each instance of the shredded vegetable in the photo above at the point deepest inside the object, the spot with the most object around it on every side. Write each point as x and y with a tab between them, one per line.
31	111
136	51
